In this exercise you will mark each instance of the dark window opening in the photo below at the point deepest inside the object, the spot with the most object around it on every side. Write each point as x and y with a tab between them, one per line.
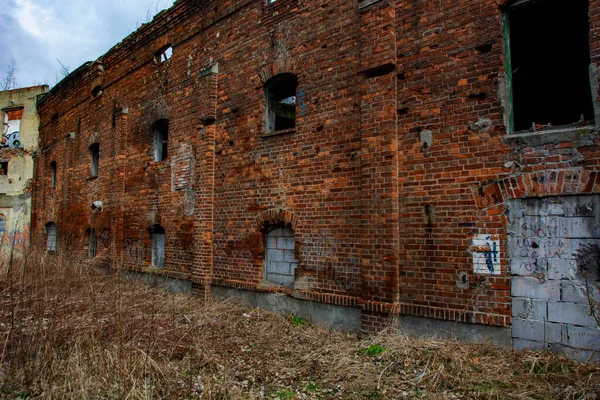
550	57
158	246
92	242
95	158
164	54
51	236
3	167
280	96
97	91
160	130
53	172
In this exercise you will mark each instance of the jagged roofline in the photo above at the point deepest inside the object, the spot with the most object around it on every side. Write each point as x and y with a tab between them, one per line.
161	17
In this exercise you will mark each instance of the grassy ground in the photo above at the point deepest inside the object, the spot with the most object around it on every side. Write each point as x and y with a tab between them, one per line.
69	332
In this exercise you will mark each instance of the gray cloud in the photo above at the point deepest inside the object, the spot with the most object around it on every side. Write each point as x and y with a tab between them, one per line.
35	33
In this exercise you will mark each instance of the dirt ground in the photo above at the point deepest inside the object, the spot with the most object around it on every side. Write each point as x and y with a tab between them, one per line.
68	331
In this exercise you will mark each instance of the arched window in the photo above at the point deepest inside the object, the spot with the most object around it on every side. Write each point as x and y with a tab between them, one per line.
97	91
160	132
280	257
53	172
95	158
280	99
158	246
51	236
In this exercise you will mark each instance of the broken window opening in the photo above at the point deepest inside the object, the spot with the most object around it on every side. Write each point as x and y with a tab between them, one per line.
158	246
280	255
92	242
2	224
3	167
97	91
280	99
53	173
271	1
548	60
95	158
164	54
51	237
160	131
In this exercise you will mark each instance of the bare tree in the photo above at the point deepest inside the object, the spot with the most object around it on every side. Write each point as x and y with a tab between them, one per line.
9	80
64	70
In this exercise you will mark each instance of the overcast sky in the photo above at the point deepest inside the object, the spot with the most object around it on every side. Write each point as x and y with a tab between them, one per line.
35	33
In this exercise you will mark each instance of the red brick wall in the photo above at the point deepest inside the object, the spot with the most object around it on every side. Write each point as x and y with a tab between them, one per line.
352	179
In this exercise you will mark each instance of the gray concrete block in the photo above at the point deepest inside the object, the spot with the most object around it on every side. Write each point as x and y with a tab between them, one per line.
570	313
527	266
289	256
576	292
576	354
271	242
287	243
581	227
545	332
532	288
529	309
275	255
583	337
561	268
522	344
582	206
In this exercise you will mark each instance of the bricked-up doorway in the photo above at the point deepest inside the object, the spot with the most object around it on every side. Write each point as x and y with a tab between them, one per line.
157	233
548	237
51	237
280	258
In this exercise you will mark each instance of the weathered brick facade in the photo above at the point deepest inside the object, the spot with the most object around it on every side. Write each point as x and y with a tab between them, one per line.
399	161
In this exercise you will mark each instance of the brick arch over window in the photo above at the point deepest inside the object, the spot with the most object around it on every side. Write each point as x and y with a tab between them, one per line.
491	198
276	216
282	66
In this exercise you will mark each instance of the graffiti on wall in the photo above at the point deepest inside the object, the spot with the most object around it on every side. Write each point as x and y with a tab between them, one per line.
319	256
486	254
135	250
17	240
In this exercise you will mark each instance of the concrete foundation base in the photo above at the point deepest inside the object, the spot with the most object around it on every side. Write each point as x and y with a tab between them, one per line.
338	317
170	284
419	327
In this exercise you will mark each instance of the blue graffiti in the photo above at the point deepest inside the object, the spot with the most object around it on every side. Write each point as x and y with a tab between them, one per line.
491	256
301	103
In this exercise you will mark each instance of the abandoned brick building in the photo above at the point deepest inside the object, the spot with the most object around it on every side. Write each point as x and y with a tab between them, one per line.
345	160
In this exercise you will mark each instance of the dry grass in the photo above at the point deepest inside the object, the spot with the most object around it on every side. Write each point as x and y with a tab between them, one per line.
71	332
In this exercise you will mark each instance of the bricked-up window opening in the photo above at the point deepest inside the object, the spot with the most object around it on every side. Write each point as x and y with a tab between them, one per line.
160	131
97	91
549	61
53	173
164	54
280	97
95	159
92	242
158	246
51	236
280	257
3	167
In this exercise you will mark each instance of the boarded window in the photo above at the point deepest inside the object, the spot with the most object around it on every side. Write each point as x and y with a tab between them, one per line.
158	246
280	258
95	158
280	98
160	131
51	236
549	64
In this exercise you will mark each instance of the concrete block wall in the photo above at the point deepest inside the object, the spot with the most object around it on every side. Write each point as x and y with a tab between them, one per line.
280	258
550	303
